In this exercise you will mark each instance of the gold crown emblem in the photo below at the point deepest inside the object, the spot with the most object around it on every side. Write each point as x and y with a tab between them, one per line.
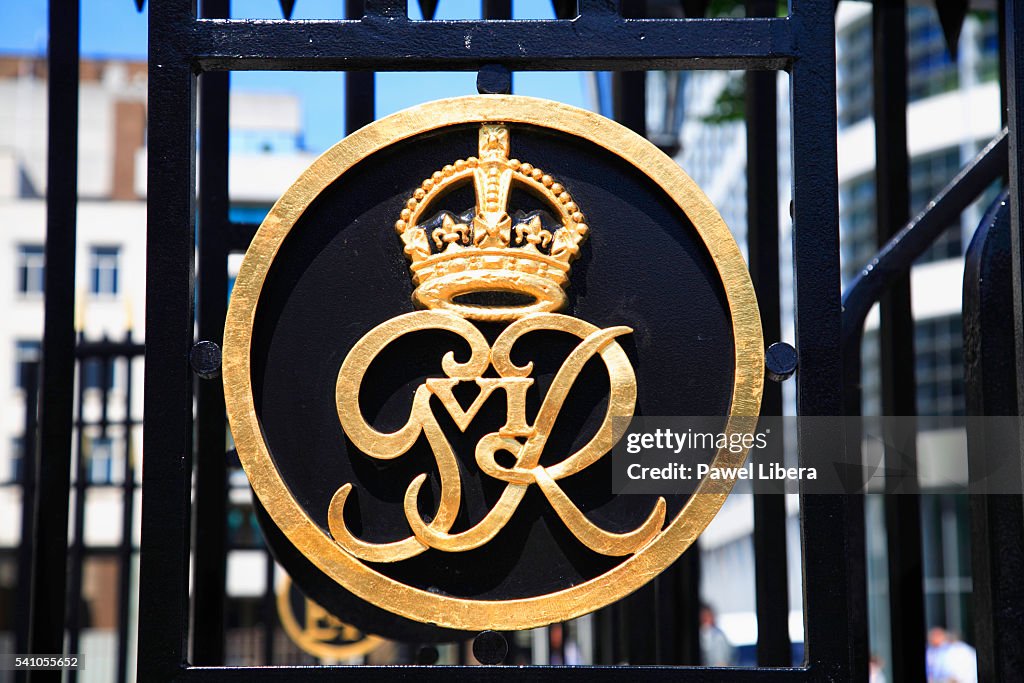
485	264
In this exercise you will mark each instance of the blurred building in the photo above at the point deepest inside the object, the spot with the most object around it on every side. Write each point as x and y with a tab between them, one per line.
266	155
953	112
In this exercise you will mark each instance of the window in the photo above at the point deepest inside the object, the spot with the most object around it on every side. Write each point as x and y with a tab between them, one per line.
939	371
101	461
931	68
929	173
938	347
853	65
103	275
31	268
988	46
27	353
946	550
98	373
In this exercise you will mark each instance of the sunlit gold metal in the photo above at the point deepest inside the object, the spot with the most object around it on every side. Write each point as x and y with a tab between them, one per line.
318	632
491	254
647	550
514	380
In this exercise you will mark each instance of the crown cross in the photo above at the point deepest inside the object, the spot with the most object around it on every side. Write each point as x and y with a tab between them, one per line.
476	260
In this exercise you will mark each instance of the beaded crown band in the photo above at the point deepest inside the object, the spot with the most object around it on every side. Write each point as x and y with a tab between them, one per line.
466	263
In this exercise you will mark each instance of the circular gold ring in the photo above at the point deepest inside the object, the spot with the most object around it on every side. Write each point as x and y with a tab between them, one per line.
314	542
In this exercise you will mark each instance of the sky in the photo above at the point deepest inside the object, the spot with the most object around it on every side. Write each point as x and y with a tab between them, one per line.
114	29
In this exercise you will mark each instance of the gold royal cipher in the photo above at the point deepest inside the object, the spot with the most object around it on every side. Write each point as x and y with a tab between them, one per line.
490	253
504	271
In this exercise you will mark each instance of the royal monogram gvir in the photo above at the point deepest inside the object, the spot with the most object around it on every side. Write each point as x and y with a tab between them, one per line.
454	478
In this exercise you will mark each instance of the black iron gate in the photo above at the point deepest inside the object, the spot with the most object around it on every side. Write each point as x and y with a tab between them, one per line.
601	37
184	536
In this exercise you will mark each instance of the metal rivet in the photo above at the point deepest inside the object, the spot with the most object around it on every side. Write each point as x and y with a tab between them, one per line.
494	79
490	647
205	359
780	361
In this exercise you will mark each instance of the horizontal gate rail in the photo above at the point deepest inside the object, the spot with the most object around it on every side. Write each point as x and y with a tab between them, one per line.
517	674
602	42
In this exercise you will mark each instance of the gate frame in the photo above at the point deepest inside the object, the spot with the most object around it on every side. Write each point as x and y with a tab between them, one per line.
182	47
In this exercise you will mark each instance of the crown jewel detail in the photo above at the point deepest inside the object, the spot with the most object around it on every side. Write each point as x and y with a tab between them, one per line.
466	262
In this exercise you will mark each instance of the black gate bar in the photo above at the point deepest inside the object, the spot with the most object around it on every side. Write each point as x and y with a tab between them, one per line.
896	336
771	592
1015	98
834	629
360	90
593	41
56	419
997	519
210	516
167	433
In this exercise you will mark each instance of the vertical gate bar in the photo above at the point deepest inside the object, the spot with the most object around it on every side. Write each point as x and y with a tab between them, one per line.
76	555
616	651
834	626
1004	93
639	621
396	9
269	611
1014	27
667	638
497	9
127	522
53	477
167	430
639	616
589	8
1015	87
771	575
105	374
896	336
629	99
210	516
997	517
666	633
603	636
629	88
29	457
360	87
687	579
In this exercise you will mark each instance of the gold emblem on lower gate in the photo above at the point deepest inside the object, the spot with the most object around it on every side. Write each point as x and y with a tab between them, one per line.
319	633
508	271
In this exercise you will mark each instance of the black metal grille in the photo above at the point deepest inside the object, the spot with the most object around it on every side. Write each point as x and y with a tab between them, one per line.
182	635
600	38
